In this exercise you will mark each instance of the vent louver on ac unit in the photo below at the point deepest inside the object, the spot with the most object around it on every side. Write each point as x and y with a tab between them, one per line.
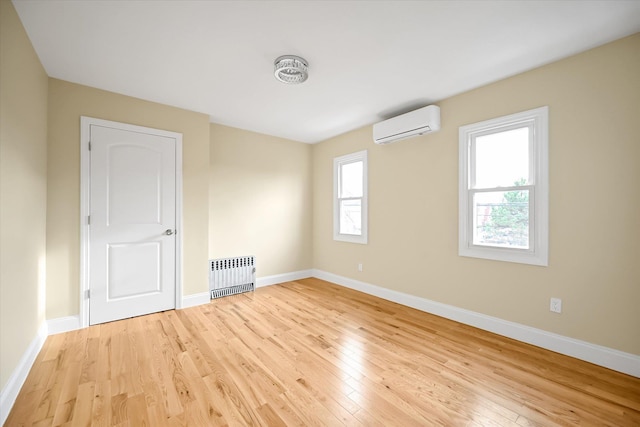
414	123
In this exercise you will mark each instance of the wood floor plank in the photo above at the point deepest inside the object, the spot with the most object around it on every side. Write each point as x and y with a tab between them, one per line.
84	404
101	407
311	353
269	417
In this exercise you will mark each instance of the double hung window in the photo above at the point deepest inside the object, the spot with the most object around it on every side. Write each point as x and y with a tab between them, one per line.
350	198
503	193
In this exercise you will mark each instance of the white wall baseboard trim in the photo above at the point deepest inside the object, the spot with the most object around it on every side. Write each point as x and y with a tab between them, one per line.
63	324
11	389
71	323
205	297
281	278
603	356
196	299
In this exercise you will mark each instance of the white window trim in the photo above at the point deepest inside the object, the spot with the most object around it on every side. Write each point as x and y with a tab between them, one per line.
337	162
538	254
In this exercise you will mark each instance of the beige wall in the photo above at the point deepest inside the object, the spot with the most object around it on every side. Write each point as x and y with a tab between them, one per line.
67	102
23	173
594	101
260	200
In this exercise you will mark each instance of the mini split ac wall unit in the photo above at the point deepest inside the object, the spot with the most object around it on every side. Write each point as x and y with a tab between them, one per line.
414	123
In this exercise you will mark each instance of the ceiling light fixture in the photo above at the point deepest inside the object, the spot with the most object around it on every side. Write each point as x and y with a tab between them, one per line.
291	69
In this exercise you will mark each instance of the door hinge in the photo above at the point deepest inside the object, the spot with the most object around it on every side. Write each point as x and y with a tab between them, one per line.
88	293
88	219
89	145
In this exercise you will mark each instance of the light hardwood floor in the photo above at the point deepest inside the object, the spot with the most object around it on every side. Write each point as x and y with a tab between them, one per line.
310	353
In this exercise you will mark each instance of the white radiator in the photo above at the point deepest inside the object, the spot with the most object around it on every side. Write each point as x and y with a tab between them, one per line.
229	276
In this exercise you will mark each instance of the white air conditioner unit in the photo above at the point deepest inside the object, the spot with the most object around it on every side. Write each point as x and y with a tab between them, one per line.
417	122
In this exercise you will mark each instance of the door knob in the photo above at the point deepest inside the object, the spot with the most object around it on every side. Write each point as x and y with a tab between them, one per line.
169	232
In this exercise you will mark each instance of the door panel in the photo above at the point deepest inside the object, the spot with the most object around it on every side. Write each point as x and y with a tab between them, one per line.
134	178
126	278
132	260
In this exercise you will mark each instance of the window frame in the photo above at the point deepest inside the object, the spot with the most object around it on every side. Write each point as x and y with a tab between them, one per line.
538	186
338	162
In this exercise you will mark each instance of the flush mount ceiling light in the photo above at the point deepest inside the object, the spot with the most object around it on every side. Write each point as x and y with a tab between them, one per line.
291	69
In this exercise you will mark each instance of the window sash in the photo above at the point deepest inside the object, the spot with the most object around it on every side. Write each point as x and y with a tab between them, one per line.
343	214
341	181
531	240
529	124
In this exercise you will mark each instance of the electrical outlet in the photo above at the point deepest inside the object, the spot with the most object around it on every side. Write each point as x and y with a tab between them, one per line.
360	267
555	305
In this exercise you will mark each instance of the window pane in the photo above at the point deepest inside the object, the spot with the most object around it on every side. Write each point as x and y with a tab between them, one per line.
351	180
501	218
502	159
351	217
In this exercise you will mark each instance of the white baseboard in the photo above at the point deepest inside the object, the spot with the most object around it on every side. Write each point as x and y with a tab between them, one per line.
63	324
205	297
11	389
609	358
196	299
281	278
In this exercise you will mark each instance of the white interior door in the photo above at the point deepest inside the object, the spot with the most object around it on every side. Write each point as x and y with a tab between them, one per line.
132	231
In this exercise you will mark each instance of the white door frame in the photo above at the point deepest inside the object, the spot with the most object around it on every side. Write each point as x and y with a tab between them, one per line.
85	193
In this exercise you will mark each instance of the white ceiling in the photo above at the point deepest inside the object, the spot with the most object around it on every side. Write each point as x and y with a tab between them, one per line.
368	60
